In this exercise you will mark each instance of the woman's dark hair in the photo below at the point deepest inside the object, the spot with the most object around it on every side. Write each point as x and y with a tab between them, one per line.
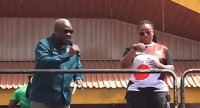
154	38
152	25
145	22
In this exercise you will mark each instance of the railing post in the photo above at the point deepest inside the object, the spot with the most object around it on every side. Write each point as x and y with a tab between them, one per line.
182	94
175	92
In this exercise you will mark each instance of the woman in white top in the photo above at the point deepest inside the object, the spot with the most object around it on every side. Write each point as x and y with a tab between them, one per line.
147	90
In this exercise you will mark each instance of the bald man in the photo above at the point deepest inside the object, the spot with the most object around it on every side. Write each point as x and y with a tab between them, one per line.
55	52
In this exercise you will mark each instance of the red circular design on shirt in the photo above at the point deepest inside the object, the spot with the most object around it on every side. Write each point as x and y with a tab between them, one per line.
143	76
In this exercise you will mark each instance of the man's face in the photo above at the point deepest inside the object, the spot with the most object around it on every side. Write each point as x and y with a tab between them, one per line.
64	33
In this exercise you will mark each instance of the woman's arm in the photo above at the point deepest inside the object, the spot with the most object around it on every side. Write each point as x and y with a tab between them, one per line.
167	63
128	57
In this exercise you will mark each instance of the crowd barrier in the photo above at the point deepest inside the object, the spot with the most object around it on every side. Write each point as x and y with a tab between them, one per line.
97	71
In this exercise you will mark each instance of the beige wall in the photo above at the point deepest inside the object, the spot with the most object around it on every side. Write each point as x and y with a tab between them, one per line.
97	38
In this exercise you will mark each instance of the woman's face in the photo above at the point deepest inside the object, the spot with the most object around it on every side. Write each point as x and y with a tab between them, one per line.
146	33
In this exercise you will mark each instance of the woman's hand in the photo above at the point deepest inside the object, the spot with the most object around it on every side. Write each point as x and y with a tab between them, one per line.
139	47
157	64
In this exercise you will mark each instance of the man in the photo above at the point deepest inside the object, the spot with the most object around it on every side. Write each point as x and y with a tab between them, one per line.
19	97
49	90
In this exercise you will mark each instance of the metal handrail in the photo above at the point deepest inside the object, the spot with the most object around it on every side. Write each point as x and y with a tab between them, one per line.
182	94
96	71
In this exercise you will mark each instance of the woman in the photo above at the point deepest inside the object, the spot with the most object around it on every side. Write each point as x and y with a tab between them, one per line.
147	90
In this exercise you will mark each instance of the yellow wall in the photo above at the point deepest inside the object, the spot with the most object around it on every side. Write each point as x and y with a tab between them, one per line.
191	4
103	96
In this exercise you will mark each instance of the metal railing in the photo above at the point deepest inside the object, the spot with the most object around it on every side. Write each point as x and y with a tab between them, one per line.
96	71
183	84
